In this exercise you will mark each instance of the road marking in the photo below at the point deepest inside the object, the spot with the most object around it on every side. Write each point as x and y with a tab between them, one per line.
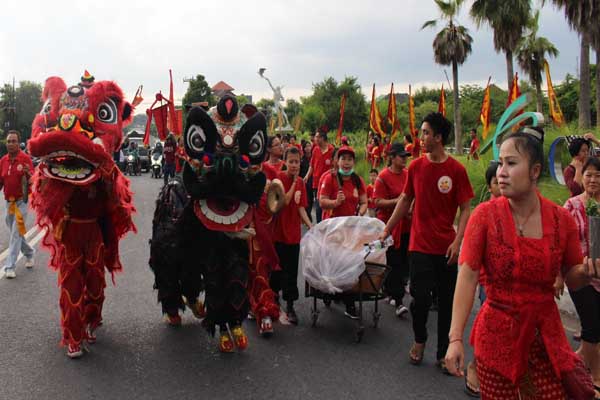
31	232
32	243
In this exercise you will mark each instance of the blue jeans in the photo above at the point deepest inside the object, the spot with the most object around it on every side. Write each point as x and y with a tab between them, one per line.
17	243
168	172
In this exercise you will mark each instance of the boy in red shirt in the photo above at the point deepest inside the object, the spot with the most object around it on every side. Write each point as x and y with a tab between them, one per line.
388	189
15	169
371	206
288	231
320	163
474	149
439	185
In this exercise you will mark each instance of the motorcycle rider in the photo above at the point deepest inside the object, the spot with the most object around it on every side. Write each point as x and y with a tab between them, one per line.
133	151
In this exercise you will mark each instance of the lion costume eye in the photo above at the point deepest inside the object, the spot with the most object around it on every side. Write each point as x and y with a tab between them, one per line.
196	138
256	145
47	107
107	112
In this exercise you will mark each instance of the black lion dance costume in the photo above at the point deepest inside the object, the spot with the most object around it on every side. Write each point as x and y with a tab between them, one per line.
204	225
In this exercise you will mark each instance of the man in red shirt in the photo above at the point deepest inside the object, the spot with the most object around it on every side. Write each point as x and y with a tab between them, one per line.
371	206
439	185
169	151
320	163
388	188
474	149
288	231
15	170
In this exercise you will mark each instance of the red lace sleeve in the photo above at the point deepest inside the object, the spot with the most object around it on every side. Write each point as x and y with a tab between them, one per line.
572	255
474	243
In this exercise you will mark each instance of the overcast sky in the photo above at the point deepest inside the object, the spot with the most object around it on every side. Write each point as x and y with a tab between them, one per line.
299	42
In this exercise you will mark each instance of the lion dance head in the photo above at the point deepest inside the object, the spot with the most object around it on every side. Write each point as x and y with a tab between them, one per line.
225	146
78	129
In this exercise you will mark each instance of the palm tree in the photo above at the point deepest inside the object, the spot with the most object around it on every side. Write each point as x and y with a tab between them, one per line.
531	52
583	16
508	19
451	46
595	39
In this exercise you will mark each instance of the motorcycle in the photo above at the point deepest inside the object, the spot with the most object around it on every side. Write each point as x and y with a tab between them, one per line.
156	165
132	166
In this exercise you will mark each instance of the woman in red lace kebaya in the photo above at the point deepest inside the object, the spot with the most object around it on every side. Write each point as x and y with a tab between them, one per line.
521	241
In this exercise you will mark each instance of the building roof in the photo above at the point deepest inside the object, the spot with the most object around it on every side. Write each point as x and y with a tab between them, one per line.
222	86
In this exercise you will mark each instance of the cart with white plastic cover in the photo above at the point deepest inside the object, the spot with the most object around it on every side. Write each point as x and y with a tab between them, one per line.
342	259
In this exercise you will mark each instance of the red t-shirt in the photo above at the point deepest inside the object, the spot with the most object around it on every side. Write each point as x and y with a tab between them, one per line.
474	148
277	167
330	188
371	196
375	156
389	186
288	225
438	190
320	163
269	171
11	174
169	153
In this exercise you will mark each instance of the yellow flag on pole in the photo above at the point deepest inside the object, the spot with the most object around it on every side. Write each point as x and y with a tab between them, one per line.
484	115
375	116
555	112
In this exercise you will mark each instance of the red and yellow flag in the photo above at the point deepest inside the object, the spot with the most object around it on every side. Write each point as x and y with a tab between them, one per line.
555	112
375	116
392	114
484	115
442	102
338	137
515	92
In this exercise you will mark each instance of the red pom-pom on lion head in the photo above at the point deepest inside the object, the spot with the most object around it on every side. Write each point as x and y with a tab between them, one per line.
78	129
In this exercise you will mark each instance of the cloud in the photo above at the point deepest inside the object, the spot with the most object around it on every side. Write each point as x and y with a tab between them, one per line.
300	42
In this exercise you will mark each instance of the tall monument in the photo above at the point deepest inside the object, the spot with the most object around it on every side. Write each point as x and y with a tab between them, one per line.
277	111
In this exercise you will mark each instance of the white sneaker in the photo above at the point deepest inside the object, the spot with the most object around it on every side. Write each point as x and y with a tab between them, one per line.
29	263
10	274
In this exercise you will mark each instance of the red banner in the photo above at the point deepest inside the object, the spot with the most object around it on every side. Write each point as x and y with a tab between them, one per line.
412	126
160	115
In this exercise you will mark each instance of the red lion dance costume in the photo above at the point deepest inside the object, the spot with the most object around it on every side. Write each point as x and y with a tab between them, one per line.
80	196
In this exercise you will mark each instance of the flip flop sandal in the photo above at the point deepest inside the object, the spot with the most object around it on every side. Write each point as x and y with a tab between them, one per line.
469	389
415	355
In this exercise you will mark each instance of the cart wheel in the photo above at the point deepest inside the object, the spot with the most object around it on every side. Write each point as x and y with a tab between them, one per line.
327	302
315	317
359	334
376	317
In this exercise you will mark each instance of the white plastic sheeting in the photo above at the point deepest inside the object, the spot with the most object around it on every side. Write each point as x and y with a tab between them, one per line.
332	253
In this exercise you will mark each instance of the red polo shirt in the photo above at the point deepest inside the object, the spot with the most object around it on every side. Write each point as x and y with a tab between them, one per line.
288	225
11	174
320	163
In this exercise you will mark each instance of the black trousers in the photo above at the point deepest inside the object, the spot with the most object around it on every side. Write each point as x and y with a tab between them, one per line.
587	304
286	280
310	199
429	272
318	209
397	259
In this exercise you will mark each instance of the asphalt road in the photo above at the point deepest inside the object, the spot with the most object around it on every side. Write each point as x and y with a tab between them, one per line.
138	356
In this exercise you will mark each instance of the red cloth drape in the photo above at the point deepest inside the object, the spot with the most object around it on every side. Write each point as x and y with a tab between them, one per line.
160	119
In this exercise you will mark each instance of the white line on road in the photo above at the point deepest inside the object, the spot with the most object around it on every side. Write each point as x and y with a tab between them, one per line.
31	232
32	243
